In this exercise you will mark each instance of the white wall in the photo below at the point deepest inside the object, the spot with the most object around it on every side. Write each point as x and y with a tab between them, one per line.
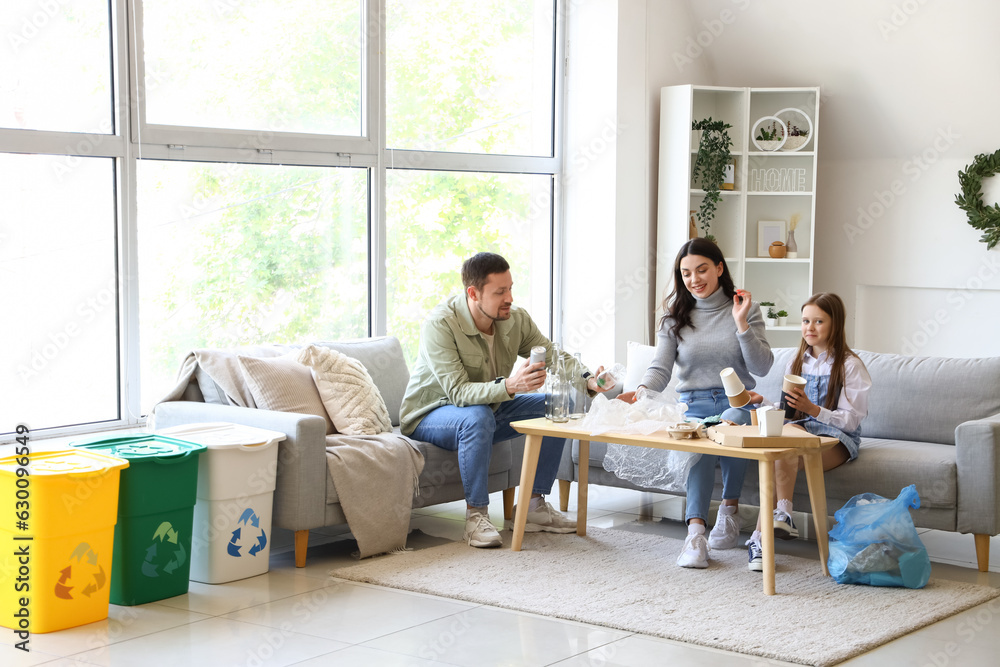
911	90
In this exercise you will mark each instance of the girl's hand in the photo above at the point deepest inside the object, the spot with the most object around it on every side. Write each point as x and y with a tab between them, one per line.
755	398
628	396
741	309
798	400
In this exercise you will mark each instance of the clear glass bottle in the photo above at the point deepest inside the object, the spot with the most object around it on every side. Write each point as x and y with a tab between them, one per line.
578	394
557	390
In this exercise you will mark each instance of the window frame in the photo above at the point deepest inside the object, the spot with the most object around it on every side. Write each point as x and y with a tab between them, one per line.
134	139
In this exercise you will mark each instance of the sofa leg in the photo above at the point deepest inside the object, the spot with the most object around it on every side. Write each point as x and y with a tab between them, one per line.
564	495
508	504
301	544
983	552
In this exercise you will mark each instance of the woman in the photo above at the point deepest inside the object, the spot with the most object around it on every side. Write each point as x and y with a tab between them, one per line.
697	336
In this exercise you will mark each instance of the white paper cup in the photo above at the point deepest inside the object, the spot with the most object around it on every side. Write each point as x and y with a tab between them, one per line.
731	382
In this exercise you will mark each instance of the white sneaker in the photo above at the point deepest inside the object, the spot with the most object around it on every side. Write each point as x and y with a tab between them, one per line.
546	519
479	532
695	552
726	531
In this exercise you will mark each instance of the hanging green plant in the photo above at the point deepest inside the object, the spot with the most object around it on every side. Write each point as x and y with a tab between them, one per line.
710	166
982	217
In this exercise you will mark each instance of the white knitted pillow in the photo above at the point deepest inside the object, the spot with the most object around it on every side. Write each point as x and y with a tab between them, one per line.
348	392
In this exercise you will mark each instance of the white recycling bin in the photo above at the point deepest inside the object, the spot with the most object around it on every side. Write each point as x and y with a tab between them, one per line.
231	535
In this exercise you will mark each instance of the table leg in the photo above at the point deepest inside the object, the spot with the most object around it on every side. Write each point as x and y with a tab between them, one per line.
581	488
766	474
817	498
529	463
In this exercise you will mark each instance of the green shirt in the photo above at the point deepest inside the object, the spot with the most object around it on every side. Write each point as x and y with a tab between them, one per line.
453	364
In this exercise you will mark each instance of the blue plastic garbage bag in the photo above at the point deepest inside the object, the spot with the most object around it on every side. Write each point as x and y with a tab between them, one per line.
875	542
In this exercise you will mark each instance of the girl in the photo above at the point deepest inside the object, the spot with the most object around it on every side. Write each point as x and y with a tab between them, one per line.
697	336
837	380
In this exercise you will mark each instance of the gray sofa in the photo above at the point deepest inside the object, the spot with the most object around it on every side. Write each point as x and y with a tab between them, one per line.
932	421
305	496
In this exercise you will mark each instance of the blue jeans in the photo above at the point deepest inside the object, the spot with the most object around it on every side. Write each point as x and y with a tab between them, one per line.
701	480
473	430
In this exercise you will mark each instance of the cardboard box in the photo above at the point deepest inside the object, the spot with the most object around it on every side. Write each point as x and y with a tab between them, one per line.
749	436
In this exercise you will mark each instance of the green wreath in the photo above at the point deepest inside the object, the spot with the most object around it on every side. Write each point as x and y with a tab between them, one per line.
981	216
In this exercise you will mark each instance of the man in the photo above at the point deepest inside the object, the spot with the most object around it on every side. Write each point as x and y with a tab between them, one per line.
462	395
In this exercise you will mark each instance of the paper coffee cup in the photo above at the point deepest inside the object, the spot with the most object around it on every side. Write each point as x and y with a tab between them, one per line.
740	399
789	383
731	382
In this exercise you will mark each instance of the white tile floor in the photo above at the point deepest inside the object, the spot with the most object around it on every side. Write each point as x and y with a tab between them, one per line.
303	617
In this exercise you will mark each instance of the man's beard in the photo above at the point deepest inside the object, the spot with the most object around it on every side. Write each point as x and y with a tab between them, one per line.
497	318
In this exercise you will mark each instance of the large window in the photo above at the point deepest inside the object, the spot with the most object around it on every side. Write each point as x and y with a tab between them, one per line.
186	174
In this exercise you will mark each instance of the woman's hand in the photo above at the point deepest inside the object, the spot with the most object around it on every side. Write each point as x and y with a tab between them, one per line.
742	301
592	382
755	398
627	396
798	400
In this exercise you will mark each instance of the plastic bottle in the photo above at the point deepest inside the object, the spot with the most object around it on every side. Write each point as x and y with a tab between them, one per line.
611	377
578	393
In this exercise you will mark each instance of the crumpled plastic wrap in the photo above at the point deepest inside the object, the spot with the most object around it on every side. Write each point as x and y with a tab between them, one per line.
662	469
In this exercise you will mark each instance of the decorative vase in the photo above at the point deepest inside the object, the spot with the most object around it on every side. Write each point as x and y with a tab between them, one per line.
692	227
776	250
791	249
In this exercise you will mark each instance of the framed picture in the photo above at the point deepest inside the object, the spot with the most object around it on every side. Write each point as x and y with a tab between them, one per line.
769	231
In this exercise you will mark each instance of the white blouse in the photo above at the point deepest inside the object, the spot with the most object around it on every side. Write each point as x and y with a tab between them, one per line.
853	404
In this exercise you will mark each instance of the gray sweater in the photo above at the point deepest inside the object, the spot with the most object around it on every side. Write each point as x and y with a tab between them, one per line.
710	344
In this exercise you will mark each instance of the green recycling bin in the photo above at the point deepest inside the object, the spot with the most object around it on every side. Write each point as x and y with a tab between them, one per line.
152	545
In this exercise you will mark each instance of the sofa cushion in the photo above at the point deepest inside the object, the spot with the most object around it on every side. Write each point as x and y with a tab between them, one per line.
351	398
906	393
384	361
220	377
285	385
904	388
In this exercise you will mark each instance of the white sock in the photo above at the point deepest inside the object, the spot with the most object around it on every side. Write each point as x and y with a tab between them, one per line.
536	503
785	506
469	511
696	529
755	537
728	509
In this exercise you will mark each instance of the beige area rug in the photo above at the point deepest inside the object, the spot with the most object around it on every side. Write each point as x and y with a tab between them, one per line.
629	581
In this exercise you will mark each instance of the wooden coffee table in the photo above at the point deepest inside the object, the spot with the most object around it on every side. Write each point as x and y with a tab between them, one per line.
536	429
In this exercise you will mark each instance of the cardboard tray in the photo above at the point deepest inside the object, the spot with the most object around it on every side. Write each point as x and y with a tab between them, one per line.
749	436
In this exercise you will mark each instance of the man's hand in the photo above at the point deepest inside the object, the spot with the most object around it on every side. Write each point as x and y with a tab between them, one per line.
527	378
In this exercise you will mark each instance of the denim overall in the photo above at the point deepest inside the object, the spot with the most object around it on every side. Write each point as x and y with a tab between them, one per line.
816	390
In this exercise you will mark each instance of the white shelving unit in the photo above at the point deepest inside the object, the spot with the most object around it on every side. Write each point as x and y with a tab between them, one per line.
770	186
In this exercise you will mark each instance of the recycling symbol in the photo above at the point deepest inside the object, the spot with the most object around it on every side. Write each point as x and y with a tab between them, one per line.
86	559
166	555
249	531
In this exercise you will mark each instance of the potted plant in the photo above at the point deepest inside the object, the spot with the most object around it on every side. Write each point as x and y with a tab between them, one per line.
765	306
796	137
772	317
782	318
710	167
769	140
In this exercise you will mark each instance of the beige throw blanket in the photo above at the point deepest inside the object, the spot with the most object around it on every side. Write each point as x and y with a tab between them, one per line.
375	477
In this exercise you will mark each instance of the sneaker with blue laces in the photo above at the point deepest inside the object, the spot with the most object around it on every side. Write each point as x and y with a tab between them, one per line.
756	554
784	527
